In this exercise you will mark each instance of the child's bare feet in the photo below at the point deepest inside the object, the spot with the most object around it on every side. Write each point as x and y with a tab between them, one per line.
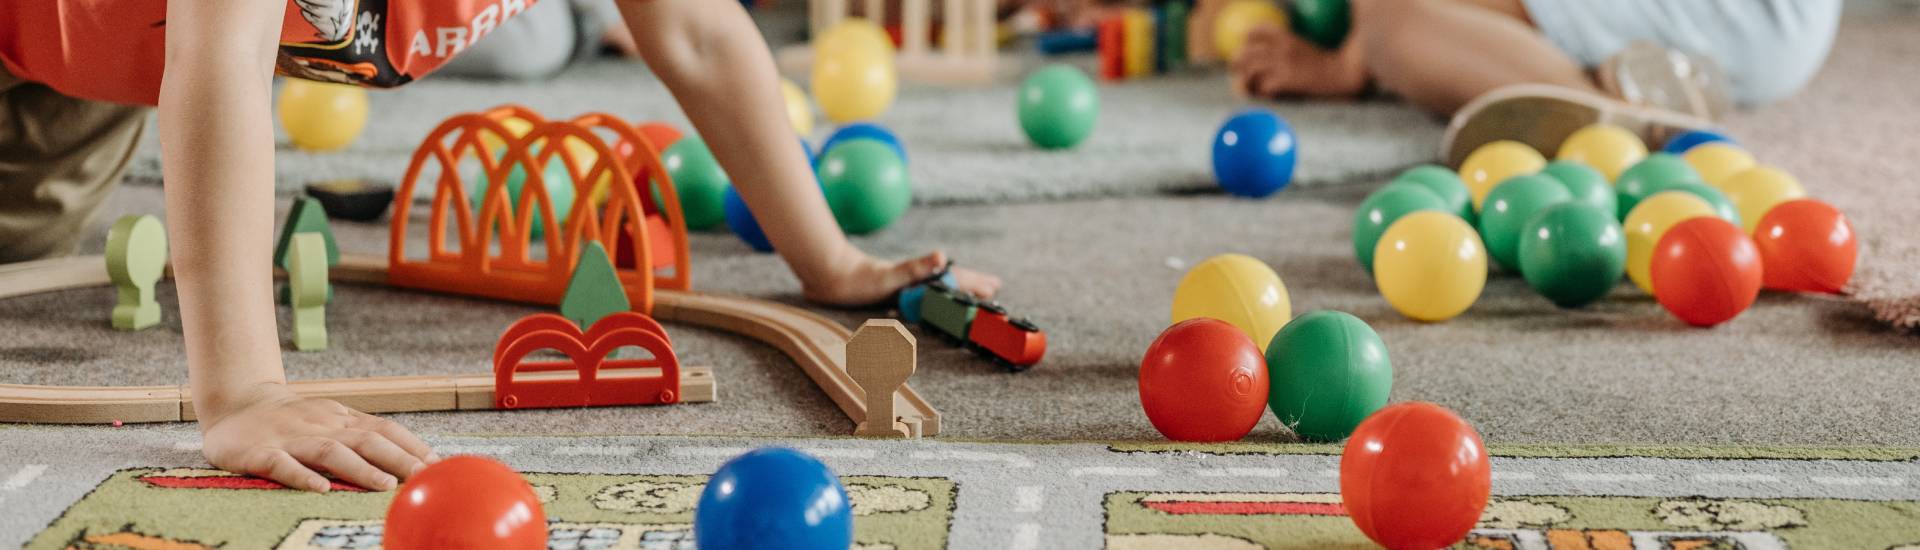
1275	62
870	280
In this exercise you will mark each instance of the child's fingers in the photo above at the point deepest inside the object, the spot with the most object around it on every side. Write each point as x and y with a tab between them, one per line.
335	457
396	433
383	453
282	468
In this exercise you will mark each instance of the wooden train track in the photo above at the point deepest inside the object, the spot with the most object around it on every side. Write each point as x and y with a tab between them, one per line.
815	343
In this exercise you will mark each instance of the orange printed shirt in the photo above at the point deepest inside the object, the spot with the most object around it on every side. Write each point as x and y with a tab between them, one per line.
115	50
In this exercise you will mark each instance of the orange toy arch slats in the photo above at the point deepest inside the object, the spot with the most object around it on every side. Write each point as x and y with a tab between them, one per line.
434	147
643	157
585	223
588	355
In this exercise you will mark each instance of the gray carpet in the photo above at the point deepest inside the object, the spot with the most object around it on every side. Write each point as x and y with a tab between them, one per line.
1794	370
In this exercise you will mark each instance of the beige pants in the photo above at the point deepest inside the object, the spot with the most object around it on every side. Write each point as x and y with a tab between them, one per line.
59	159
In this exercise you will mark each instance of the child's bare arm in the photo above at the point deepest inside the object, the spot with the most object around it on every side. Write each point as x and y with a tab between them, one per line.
217	147
714	61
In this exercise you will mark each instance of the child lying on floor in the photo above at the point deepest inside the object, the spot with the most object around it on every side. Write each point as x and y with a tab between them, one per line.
77	73
1441	54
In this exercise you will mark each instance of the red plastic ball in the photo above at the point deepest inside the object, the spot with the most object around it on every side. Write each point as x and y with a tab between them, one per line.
1705	271
465	502
1415	475
1805	246
1203	380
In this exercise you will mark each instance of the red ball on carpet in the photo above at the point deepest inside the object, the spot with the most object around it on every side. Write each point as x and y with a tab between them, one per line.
1806	246
1203	380
465	502
1705	271
1414	475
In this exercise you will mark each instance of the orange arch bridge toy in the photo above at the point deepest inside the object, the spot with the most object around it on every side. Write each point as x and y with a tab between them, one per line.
601	379
463	255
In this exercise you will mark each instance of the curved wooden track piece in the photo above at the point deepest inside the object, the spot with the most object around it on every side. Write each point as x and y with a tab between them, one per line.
815	343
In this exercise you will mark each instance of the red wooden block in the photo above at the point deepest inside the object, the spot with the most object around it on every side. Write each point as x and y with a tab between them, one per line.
1015	342
1112	38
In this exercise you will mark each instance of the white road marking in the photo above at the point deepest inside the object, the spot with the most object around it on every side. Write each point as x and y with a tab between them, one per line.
730	452
1736	478
23	477
1026	536
1501	475
1015	460
187	446
1113	471
1598	477
572	450
1856	481
1242	472
489	450
1329	473
1029	499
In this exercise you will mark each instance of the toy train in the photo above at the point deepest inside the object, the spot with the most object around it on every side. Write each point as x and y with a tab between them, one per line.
986	329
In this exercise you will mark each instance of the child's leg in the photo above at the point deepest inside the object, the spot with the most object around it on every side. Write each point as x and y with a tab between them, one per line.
59	159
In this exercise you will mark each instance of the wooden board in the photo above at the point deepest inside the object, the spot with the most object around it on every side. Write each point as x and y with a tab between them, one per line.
815	343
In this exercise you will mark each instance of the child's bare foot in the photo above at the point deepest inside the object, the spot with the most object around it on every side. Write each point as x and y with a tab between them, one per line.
869	280
1274	62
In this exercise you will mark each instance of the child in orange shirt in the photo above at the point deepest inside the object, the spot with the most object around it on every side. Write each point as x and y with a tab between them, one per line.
77	74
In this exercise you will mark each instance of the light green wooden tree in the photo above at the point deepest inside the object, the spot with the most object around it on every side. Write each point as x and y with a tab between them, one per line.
308	289
306	216
594	291
136	257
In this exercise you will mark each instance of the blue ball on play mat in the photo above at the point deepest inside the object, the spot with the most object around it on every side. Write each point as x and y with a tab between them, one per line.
773	498
864	130
1253	154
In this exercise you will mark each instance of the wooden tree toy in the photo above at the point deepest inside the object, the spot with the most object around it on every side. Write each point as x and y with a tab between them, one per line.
308	289
594	291
136	257
880	358
306	216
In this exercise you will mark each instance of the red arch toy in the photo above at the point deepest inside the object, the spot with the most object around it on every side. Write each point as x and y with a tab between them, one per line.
587	355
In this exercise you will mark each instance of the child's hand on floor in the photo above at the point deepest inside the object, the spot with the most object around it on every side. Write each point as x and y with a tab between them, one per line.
287	438
1276	62
866	280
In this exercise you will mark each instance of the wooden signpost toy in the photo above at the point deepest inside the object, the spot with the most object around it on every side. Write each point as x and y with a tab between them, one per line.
880	358
136	257
594	291
308	290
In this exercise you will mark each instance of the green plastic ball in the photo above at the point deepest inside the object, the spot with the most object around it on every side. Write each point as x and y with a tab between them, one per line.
1327	371
1508	208
866	185
1587	184
1058	106
1651	175
1573	253
1322	22
1384	207
1722	206
699	181
1443	183
556	179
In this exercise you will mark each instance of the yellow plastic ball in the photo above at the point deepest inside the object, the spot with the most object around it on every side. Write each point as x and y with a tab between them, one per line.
1239	290
1234	21
854	32
1605	147
516	126
1430	266
1758	190
854	83
799	110
1716	162
1494	163
321	116
1648	221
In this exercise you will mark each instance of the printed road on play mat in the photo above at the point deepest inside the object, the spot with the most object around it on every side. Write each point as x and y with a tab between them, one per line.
152	491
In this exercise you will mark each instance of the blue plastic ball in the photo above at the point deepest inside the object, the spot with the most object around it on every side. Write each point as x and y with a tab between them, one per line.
1254	153
910	298
773	498
740	220
1694	138
808	149
866	130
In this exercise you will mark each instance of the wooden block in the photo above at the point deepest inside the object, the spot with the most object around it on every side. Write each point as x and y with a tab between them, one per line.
880	358
1139	47
594	291
307	284
306	216
136	257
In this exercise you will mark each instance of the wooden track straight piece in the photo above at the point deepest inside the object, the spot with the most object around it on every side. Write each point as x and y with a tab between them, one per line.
880	358
136	258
